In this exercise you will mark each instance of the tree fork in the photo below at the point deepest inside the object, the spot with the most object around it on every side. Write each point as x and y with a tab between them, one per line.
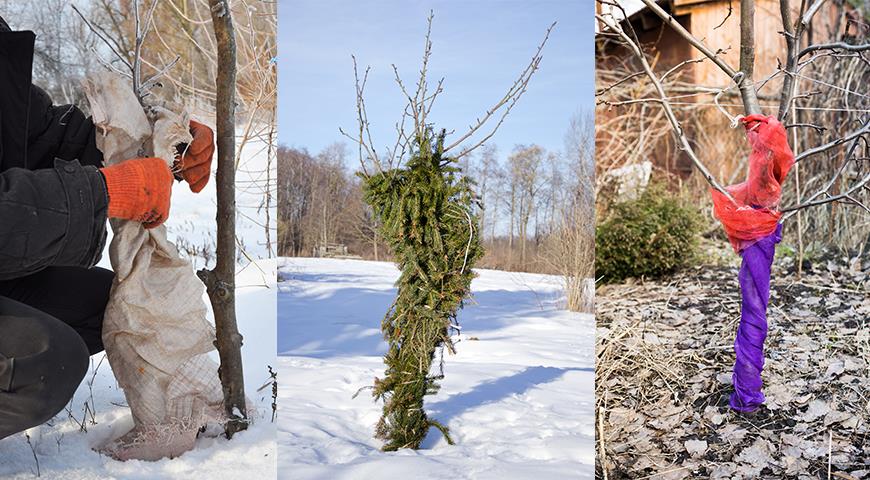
220	281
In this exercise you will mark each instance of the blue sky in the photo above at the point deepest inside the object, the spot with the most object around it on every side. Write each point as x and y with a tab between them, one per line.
479	46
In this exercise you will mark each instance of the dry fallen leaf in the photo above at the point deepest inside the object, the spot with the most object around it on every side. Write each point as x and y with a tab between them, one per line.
695	448
817	408
755	458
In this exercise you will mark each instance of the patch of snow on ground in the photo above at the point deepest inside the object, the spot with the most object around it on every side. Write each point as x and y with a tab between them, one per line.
65	452
518	396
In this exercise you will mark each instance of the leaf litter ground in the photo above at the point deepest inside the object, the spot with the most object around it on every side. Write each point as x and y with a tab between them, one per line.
665	353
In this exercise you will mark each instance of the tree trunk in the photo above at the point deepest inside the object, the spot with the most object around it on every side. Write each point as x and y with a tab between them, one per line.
324	224
523	232
220	281
511	236
747	57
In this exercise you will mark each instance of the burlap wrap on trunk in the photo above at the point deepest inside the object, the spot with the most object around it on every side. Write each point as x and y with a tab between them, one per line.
155	330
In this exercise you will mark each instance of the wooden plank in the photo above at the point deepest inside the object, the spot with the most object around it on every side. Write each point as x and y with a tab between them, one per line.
682	3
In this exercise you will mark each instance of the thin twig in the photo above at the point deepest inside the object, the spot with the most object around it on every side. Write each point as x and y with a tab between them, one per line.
510	99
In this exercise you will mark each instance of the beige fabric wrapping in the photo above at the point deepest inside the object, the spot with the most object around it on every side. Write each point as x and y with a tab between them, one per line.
155	329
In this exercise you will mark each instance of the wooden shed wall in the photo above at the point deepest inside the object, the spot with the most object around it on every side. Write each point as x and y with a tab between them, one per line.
769	44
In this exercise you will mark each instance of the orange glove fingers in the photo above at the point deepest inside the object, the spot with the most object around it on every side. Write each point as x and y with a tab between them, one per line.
203	139
191	158
197	176
198	186
195	163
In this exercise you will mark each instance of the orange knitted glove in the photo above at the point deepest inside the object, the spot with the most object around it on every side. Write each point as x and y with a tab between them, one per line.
195	162
139	190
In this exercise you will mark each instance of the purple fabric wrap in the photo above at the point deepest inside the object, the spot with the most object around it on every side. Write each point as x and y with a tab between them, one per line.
749	343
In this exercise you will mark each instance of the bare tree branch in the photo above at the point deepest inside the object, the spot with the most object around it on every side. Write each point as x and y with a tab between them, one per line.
833	143
106	38
363	123
510	99
811	12
421	102
681	31
847	194
846	47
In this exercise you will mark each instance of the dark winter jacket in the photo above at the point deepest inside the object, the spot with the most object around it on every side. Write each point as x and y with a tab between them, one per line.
53	200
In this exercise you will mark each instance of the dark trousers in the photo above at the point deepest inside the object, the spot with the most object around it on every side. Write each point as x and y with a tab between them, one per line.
50	324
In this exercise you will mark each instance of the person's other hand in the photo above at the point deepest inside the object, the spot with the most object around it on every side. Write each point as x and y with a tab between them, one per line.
139	190
195	162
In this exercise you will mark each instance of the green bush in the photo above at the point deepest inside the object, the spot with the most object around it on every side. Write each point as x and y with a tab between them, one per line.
651	236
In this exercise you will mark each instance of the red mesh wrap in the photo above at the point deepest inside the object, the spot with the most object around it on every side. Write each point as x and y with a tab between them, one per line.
757	210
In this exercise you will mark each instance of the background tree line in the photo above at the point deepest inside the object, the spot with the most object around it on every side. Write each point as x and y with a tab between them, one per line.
537	216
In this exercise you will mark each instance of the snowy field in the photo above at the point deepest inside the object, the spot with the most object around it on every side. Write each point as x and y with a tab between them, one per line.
64	451
517	396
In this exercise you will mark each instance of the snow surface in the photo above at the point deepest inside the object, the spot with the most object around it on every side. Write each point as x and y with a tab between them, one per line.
65	452
518	396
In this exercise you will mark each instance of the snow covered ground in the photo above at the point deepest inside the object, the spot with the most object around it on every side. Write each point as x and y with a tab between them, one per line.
517	397
64	451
